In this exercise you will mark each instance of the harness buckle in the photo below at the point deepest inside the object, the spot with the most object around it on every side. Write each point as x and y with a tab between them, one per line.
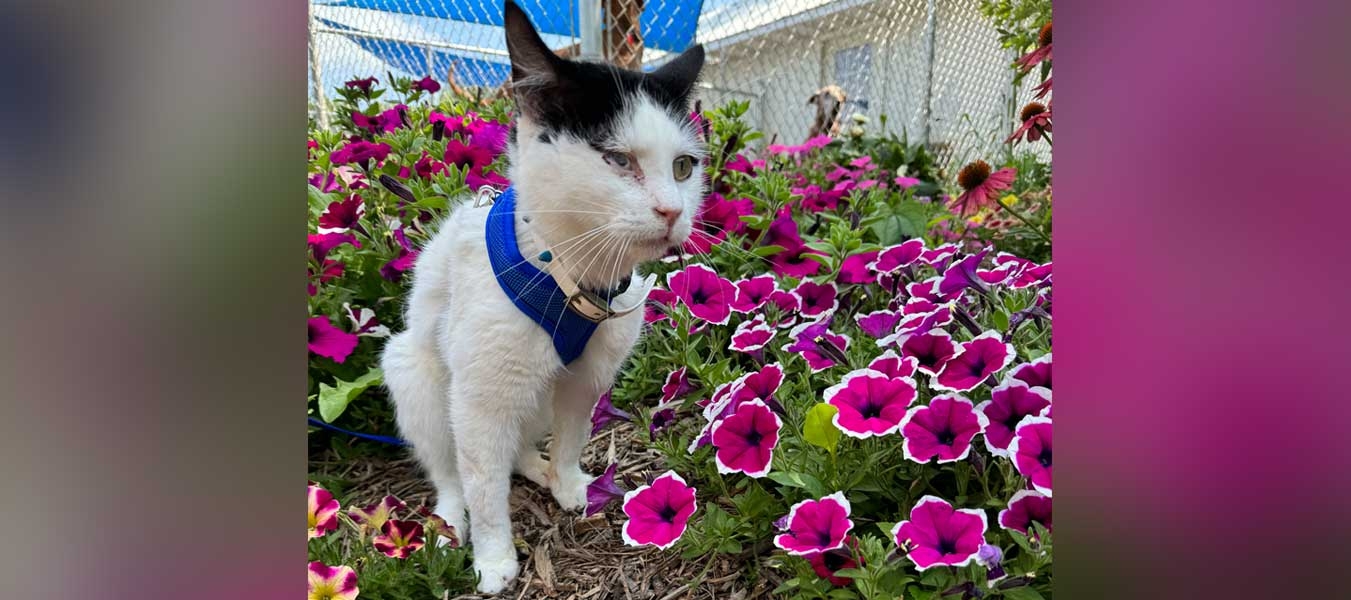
486	196
590	306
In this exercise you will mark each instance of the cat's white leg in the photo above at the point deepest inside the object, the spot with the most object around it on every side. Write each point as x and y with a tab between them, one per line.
574	399
418	384
489	409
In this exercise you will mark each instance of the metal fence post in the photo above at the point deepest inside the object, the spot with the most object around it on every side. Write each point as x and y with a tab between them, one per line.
930	32
316	75
588	23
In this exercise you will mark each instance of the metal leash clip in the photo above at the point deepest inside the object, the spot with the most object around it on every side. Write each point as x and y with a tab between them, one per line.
486	196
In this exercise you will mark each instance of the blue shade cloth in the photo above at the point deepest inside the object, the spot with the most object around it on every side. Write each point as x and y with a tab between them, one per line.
412	59
533	291
665	24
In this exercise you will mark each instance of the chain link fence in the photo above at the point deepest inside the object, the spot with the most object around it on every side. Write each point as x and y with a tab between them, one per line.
933	67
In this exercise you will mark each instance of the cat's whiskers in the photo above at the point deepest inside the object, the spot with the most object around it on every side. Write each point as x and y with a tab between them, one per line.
539	278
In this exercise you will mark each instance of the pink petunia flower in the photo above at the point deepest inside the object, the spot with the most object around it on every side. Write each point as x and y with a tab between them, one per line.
658	513
605	412
1031	452
359	152
373	516
708	296
931	350
893	365
323	511
752	293
962	274
1036	373
975	362
759	385
478	178
981	187
723	216
602	491
399	539
857	268
925	290
939	257
814	199
363	321
745	440
327	340
1008	405
1026	507
894	258
677	385
906	182
793	262
870	403
331	583
937	534
816	526
659	302
752	336
787	306
915	324
817	299
467	156
362	84
427	84
943	429
879	323
817	345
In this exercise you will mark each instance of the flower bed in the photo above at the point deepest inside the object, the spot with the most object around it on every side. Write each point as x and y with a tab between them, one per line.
847	368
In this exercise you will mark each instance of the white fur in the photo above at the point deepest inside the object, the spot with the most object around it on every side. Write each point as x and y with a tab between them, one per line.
476	384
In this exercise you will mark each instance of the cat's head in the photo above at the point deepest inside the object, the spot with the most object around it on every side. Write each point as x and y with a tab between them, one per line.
602	149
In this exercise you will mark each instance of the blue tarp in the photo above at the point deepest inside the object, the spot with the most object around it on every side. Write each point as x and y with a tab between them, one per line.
412	59
665	24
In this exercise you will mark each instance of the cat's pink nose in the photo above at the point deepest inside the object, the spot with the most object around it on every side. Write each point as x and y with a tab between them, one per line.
670	214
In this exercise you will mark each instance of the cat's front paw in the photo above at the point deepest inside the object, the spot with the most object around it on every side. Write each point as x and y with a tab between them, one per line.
570	488
495	573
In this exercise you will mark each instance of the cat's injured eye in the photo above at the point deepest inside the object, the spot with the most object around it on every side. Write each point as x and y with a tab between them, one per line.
682	167
618	159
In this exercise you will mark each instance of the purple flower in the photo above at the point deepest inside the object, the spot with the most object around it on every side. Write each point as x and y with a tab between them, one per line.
753	292
342	216
816	298
943	429
707	295
879	323
925	290
931	350
605	412
793	262
905	182
1025	508
857	268
745	440
1036	373
893	258
815	200
1008	405
976	361
787	305
362	84
827	564
326	182
364	323
478	178
1031	452
602	491
991	558
937	534
916	324
488	135
427	84
327	340
870	403
677	385
816	526
467	156
662	417
399	539
359	152
938	257
658	513
962	275
323	243
817	345
893	366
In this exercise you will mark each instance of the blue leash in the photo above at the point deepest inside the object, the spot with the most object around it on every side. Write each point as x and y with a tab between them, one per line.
383	439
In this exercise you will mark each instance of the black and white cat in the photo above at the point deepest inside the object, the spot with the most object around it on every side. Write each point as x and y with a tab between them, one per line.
605	169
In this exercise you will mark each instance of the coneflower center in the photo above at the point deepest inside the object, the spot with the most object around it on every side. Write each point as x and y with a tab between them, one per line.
1044	37
973	175
1031	110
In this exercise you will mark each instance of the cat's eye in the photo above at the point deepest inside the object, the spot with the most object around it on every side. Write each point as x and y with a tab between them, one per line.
618	159
683	166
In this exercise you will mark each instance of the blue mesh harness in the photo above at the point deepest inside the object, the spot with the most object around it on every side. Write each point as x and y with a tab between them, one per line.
533	291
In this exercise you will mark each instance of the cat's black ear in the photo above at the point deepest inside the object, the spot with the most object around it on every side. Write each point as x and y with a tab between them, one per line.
680	74
532	61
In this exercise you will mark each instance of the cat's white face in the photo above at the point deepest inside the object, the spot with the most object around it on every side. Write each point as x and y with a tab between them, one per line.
639	188
603	157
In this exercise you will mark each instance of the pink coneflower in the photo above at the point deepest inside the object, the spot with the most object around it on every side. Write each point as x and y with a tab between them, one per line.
1043	51
1036	119
980	187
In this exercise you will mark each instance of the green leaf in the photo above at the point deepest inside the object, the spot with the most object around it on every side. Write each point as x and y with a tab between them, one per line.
1001	319
767	250
334	400
1023	593
799	480
818	429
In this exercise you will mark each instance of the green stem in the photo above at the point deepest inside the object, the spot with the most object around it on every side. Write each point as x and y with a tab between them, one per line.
1026	221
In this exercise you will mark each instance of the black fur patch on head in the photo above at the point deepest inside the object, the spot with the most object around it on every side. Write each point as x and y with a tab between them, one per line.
582	98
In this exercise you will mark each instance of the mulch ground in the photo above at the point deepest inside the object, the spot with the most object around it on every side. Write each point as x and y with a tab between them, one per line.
564	555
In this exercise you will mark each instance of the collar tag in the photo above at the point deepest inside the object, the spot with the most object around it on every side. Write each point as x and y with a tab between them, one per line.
486	196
